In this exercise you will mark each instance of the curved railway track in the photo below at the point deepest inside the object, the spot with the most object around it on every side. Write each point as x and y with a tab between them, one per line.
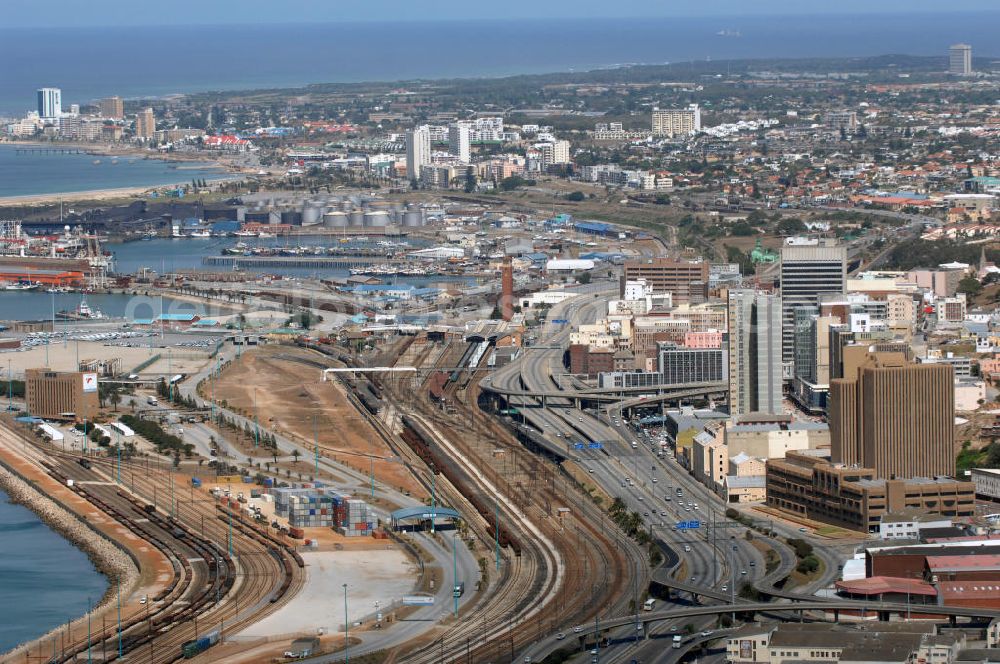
211	590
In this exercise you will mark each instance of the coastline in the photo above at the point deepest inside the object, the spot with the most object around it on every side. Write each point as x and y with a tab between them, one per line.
227	171
110	559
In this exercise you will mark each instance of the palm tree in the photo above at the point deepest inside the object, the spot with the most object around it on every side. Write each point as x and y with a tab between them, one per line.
115	398
296	454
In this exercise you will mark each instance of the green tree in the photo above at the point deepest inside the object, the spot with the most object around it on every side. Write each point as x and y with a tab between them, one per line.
970	286
575	196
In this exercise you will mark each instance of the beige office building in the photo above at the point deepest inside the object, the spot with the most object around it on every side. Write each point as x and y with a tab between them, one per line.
145	124
53	395
893	416
112	108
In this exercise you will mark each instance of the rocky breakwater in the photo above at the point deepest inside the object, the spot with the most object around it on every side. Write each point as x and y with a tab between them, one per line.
107	556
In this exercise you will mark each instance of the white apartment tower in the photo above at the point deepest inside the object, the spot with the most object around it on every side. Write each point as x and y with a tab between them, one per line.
49	103
677	122
418	151
459	139
755	376
960	60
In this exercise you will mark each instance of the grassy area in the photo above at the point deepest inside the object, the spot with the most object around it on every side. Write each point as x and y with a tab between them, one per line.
798	579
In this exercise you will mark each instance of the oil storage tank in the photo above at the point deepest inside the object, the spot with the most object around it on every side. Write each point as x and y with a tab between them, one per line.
357	219
413	218
376	219
334	219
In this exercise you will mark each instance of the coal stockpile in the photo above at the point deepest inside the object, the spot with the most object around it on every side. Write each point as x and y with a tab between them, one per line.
423	445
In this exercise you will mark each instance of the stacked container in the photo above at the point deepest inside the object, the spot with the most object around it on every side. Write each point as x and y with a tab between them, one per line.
314	510
357	521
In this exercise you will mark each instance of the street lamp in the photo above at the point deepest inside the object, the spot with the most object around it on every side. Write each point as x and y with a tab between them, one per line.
347	654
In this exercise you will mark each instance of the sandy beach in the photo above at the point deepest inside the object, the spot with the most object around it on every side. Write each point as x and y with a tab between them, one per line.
227	166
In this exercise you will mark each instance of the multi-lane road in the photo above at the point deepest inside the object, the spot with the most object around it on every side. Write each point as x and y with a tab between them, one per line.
623	461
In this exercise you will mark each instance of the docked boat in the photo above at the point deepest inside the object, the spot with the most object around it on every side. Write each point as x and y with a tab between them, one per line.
21	286
83	311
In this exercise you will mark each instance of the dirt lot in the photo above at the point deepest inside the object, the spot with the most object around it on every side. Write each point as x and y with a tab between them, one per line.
292	400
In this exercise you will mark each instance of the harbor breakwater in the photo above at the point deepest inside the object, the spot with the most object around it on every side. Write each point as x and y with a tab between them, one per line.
116	563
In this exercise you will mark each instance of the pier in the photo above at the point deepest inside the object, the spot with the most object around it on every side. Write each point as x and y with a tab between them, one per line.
49	151
299	261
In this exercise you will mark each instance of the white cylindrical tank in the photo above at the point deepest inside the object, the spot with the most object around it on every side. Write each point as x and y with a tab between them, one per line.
413	218
334	219
376	219
357	219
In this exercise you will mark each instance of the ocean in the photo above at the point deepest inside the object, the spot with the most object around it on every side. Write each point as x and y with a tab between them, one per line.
29	174
45	579
89	63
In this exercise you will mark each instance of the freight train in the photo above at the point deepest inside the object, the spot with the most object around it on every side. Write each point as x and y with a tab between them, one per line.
424	446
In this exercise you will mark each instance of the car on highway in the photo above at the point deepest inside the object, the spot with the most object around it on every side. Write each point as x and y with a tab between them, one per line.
753	564
577	629
725	588
743	571
673	628
707	632
687	548
655	480
645	513
560	636
663	514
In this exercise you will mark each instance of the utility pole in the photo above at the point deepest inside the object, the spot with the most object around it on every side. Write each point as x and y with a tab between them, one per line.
347	643
454	569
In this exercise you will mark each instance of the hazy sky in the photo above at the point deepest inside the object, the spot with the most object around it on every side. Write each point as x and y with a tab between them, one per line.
68	13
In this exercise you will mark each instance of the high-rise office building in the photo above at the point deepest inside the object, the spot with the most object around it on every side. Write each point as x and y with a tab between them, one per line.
459	136
112	108
893	416
145	124
806	272
686	281
960	60
49	103
754	352
418	151
677	122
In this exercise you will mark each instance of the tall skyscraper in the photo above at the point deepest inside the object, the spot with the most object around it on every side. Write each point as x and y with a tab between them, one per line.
145	124
807	271
418	151
894	416
459	139
754	352
112	108
960	60
49	103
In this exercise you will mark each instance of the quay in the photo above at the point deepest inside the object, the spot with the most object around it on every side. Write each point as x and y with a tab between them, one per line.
299	261
49	151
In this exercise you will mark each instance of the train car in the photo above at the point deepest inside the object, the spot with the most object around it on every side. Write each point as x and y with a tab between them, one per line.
195	647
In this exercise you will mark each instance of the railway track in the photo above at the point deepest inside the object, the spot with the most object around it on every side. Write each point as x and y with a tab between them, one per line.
212	590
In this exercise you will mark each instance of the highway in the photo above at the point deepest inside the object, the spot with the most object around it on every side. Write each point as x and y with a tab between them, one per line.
719	558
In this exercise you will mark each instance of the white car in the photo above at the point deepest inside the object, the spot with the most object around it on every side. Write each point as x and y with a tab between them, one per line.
560	636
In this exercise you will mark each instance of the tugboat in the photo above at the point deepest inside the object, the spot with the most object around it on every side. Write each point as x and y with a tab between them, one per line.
83	311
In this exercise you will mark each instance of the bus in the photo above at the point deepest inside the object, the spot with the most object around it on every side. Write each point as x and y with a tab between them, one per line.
649	604
677	640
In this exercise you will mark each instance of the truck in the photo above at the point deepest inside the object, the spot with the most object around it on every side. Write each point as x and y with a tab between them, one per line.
152	401
677	641
459	589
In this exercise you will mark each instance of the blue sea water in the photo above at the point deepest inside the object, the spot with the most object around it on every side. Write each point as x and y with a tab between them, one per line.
88	63
44	580
28	174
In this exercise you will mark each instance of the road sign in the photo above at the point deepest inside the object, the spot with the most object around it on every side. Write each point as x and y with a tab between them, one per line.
578	446
559	321
688	525
595	446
